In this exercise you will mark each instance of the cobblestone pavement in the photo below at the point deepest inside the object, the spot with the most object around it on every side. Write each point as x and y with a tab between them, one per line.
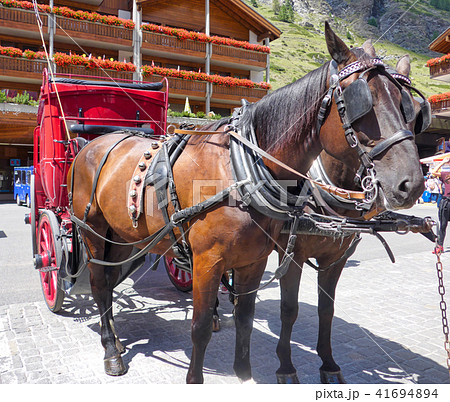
387	329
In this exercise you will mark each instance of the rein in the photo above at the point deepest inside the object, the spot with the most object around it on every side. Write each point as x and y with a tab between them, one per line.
347	194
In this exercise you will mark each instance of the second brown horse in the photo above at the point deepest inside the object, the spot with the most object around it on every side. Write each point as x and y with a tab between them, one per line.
233	235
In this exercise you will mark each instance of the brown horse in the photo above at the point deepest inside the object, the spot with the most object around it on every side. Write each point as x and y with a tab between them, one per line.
331	255
232	234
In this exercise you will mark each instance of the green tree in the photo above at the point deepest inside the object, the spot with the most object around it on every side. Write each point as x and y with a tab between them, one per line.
286	12
276	7
441	4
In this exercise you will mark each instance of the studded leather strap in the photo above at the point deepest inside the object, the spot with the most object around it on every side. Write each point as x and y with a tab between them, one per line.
136	188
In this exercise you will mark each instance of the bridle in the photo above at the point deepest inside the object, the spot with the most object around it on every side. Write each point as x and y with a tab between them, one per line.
354	102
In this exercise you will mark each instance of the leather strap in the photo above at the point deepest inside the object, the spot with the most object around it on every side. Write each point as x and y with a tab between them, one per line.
347	194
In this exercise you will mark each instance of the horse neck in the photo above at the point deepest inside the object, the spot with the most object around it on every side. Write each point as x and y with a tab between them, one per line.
285	122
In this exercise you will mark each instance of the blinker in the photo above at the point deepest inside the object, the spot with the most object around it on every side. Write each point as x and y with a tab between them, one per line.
407	107
423	120
358	100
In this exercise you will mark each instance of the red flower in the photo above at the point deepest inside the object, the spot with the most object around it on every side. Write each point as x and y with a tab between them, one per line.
439	60
69	13
183	34
198	76
10	51
439	97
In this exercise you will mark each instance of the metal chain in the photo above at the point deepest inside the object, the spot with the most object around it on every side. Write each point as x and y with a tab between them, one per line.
443	305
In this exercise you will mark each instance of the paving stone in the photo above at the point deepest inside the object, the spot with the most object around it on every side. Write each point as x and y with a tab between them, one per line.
398	311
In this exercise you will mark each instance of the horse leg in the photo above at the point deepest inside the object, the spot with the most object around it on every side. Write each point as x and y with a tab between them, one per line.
289	287
102	280
245	279
206	278
216	318
330	372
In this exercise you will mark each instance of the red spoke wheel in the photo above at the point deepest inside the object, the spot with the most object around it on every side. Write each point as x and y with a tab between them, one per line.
49	244
180	278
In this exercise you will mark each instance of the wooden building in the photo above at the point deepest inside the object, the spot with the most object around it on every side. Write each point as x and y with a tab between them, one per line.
224	39
428	141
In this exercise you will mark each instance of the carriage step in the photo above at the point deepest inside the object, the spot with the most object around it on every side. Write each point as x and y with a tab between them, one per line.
43	261
47	269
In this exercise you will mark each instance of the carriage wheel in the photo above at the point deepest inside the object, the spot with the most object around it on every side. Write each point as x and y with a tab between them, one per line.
180	278
49	243
18	202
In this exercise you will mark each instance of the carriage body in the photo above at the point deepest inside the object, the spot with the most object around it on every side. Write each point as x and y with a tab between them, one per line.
71	111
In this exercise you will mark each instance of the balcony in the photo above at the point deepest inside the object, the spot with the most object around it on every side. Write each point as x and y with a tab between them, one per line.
92	73
92	32
441	71
16	21
232	55
179	88
233	95
14	68
169	46
441	108
155	43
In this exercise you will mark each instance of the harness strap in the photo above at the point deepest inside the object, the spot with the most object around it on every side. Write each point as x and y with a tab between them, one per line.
284	265
347	194
97	175
177	218
397	137
347	254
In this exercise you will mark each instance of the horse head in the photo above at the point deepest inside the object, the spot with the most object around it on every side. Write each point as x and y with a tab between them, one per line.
371	122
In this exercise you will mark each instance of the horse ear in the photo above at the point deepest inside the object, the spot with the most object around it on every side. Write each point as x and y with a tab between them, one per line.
368	48
338	50
404	66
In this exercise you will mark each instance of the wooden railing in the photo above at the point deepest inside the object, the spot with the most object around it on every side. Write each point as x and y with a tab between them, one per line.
89	28
74	70
441	106
198	88
15	17
160	42
9	15
442	68
238	53
157	41
12	66
180	86
252	94
26	19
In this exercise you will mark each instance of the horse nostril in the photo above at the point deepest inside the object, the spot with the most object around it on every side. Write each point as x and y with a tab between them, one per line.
404	186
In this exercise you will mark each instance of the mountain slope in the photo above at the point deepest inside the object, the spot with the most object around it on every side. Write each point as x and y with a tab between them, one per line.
302	47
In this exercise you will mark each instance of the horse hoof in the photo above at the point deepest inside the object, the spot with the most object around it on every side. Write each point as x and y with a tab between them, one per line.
114	366
332	377
216	323
247	382
287	379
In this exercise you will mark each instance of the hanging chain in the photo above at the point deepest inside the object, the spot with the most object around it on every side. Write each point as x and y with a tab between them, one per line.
443	305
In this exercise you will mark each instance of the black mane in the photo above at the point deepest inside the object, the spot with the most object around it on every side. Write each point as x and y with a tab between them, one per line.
290	111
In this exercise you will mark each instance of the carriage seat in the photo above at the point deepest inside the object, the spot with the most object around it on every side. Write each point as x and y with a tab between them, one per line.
148	86
101	129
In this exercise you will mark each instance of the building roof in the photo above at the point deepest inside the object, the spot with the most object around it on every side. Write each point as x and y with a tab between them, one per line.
442	43
242	13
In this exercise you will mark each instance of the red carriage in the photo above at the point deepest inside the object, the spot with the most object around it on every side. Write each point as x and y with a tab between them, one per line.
73	111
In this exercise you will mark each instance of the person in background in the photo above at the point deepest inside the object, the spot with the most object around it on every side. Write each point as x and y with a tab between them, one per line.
433	186
444	205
